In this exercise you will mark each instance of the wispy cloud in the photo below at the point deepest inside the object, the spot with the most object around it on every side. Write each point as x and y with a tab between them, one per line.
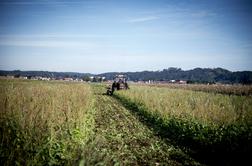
203	13
39	2
45	42
143	19
58	3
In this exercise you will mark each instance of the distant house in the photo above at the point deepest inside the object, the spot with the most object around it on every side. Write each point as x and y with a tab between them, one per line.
140	82
182	82
9	76
177	81
78	80
45	78
23	77
42	78
68	79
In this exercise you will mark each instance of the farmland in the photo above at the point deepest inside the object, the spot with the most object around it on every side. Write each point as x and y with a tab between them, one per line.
55	123
44	123
241	90
210	123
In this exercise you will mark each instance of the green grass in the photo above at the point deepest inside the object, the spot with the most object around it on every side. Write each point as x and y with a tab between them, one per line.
240	90
205	122
122	139
66	123
206	108
44	123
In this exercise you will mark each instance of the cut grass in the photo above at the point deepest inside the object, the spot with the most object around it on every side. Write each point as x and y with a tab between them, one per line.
121	139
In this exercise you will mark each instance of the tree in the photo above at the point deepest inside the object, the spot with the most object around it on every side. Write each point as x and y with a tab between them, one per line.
86	78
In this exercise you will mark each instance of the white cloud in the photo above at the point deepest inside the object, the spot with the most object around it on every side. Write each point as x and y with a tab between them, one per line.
143	19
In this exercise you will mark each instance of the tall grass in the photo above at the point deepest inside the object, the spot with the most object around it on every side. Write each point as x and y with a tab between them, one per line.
206	122
241	90
207	108
43	123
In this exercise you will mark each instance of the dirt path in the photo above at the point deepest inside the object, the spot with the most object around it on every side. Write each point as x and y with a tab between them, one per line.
120	138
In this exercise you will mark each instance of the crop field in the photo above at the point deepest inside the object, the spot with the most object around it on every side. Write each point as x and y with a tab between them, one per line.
67	123
241	90
207	108
43	123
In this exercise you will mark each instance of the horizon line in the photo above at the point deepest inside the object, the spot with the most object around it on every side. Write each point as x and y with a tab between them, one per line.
125	71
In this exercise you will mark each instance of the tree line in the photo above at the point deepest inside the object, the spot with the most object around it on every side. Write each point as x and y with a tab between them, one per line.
197	75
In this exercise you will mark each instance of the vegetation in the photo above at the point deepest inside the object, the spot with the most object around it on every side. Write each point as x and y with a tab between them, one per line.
241	90
197	75
68	123
204	122
18	73
208	108
122	139
44	123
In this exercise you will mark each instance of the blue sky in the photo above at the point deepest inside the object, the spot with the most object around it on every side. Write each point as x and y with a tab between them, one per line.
117	35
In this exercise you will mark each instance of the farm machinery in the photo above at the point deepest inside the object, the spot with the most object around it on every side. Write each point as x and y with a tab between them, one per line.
119	83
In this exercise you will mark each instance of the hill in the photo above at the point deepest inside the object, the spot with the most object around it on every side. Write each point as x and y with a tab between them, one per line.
44	74
197	75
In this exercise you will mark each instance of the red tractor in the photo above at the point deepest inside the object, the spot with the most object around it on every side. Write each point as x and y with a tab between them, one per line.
120	82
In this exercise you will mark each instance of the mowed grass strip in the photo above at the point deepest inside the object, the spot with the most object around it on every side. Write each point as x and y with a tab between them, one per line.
121	139
44	123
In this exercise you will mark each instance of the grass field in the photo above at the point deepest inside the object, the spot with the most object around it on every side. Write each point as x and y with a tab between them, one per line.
64	123
209	123
241	90
44	123
207	108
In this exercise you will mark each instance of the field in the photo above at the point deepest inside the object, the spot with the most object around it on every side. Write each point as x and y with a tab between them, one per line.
241	90
65	123
210	124
44	123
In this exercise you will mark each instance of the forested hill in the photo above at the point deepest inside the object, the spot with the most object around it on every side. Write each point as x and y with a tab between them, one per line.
44	74
200	75
197	75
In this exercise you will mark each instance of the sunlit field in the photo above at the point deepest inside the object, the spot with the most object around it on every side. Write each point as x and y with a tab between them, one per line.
207	108
207	122
241	90
69	123
44	123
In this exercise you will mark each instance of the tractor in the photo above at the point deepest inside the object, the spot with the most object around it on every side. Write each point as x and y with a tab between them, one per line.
120	82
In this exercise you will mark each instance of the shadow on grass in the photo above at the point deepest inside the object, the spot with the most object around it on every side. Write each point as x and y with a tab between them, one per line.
229	145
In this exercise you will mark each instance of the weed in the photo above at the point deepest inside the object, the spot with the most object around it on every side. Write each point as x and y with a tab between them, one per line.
44	122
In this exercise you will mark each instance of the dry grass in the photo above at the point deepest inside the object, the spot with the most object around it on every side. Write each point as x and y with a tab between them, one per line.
43	122
242	90
208	123
208	108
